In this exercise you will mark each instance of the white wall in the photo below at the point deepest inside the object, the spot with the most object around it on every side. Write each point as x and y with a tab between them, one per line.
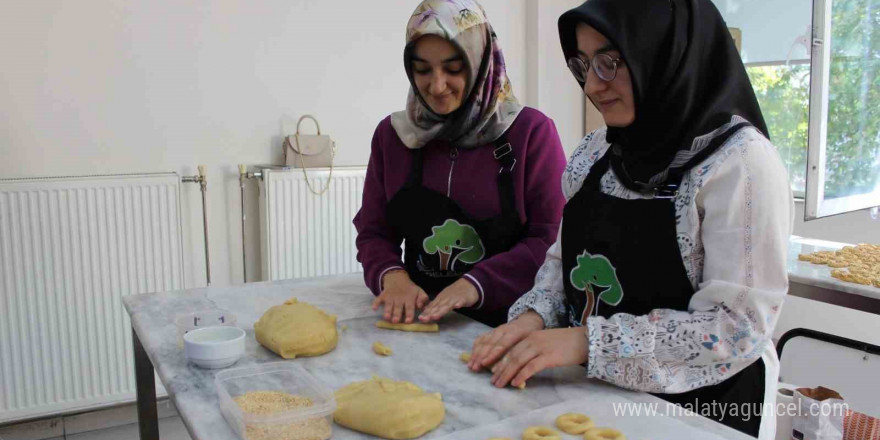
120	87
551	87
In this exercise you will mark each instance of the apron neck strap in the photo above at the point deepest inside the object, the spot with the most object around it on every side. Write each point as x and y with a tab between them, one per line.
506	158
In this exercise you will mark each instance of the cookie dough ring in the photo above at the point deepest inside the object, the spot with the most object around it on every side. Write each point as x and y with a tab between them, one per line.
604	434
574	423
540	433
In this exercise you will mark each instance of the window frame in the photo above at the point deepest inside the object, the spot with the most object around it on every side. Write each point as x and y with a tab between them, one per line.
815	204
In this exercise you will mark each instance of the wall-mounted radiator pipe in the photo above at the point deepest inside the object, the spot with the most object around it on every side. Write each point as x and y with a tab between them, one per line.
243	175
202	180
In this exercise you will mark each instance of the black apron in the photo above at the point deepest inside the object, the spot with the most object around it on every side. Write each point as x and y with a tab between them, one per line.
622	255
441	241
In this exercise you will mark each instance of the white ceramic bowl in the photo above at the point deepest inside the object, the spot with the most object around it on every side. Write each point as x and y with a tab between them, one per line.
214	347
205	318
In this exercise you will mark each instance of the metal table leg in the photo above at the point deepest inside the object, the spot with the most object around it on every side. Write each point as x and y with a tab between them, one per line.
148	418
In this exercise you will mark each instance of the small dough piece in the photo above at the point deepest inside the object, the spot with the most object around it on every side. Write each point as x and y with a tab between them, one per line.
388	409
604	434
381	349
297	329
540	433
574	423
414	327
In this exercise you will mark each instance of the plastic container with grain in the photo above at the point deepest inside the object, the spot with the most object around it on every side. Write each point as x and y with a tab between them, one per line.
303	423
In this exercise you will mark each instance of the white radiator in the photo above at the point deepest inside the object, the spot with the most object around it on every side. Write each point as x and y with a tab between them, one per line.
70	249
306	235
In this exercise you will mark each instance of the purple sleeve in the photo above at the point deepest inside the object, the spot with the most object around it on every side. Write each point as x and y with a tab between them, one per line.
378	249
503	278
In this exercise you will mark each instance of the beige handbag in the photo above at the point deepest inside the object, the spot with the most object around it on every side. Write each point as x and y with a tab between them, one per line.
310	151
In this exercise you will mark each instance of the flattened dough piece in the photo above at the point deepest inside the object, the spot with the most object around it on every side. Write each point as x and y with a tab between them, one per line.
540	433
574	423
381	349
388	409
297	329
414	327
604	434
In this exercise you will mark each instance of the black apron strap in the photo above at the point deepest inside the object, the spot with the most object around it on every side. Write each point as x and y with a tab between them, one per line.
415	172
507	160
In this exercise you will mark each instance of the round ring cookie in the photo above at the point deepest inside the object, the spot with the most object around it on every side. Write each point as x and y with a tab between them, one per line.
604	434
540	433
574	423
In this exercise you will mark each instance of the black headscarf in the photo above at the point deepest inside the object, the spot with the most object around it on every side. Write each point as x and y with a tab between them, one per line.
687	79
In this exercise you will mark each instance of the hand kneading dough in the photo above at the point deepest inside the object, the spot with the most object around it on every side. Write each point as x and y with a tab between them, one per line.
296	329
414	327
604	434
466	357
388	409
540	433
574	423
381	349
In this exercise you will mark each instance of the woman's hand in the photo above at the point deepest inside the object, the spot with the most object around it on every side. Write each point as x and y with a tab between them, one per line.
455	296
401	297
489	346
542	349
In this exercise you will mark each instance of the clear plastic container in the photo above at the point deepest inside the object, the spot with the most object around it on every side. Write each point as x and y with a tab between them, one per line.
306	423
206	318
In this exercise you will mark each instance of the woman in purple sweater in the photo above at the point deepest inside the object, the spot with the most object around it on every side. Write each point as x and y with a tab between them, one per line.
466	177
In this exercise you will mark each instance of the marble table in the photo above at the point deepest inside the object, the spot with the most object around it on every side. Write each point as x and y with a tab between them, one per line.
814	281
475	409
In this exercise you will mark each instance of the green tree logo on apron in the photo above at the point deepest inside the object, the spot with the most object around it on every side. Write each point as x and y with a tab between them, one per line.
455	242
594	272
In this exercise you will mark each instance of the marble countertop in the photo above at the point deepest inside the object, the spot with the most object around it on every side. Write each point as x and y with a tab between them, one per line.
818	275
475	409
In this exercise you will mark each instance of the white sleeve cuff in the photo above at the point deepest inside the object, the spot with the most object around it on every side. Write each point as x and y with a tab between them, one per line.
479	290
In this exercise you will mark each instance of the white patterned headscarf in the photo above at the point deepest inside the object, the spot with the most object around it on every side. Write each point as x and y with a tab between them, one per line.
489	106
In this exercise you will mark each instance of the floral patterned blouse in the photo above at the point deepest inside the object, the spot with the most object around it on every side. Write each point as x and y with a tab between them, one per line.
734	214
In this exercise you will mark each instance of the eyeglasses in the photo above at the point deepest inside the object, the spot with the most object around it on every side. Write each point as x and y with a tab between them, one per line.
604	66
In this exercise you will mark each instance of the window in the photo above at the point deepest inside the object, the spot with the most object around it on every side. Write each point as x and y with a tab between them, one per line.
814	69
783	92
843	161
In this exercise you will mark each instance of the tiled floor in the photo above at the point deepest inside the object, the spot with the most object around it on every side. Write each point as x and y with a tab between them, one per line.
170	428
118	423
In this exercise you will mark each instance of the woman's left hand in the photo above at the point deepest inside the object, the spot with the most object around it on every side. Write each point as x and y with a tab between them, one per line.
540	350
455	296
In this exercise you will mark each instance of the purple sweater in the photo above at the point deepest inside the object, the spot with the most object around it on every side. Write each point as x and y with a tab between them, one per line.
540	160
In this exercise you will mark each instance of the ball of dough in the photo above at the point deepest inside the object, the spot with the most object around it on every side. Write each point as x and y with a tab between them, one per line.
388	408
574	423
604	434
540	433
465	357
296	329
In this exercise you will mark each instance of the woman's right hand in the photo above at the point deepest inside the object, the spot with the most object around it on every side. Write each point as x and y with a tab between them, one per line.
490	346
401	297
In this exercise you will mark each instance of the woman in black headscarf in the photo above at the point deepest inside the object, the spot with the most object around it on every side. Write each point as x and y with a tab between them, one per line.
669	272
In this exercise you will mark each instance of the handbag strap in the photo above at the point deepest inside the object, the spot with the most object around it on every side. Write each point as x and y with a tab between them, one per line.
302	165
303	117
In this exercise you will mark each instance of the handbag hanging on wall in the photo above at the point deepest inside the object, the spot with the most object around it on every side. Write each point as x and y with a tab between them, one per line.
310	151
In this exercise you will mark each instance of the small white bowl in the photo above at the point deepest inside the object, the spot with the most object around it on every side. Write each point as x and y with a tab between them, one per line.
214	347
201	319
